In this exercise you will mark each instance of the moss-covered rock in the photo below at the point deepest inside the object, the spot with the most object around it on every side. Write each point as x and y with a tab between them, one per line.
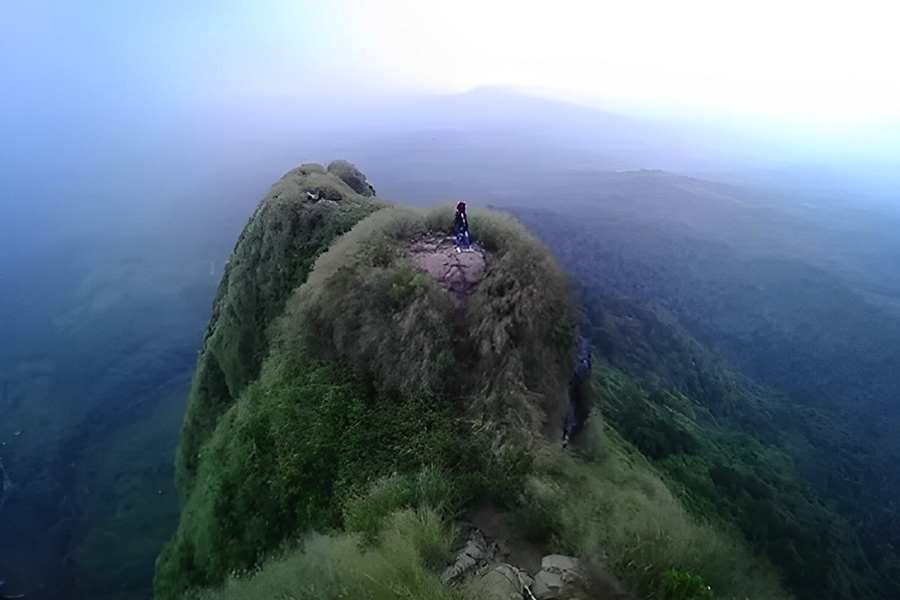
352	176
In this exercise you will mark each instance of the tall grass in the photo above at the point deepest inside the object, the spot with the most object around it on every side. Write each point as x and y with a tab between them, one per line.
362	420
521	319
412	543
367	302
430	487
619	513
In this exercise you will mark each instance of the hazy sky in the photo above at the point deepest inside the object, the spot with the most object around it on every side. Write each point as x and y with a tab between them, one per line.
793	58
83	79
785	57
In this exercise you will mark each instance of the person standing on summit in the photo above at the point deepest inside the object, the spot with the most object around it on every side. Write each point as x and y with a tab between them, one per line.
461	226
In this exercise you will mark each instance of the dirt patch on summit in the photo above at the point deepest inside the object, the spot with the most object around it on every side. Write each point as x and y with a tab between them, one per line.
458	272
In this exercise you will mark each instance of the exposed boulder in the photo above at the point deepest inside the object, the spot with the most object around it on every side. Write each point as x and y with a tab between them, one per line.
579	405
581	367
500	582
479	574
560	578
477	553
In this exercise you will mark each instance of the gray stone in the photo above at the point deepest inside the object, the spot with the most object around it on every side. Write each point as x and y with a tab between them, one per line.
557	563
475	554
502	582
547	585
560	578
525	579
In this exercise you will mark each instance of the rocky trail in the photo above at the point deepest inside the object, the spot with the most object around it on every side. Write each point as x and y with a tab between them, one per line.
498	565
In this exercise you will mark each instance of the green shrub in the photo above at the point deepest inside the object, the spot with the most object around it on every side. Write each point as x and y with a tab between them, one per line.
521	321
432	536
620	513
378	310
536	521
429	487
375	310
332	567
350	175
680	585
299	445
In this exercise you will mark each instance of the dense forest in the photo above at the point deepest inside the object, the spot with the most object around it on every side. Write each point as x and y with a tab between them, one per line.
751	356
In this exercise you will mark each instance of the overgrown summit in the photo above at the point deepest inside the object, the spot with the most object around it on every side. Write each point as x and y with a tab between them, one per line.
336	357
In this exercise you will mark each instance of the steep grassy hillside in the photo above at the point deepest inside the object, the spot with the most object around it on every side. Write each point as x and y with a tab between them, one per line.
273	255
306	393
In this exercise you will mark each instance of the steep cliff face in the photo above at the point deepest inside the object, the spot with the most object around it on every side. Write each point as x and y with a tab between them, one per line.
338	354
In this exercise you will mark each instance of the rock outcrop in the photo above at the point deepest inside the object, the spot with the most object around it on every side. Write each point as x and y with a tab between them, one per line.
560	578
352	176
579	405
457	272
499	582
477	553
484	570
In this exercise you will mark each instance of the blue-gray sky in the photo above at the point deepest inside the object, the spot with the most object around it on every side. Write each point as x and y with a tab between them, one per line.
79	75
787	58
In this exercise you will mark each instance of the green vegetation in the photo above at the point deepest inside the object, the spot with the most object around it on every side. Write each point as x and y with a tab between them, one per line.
678	585
338	566
340	397
693	417
273	255
799	299
616	512
360	381
352	176
612	511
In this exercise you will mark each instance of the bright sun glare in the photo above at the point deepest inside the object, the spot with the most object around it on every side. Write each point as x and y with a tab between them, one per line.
783	58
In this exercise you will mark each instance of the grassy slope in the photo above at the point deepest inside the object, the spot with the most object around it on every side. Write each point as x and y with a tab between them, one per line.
603	502
273	256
